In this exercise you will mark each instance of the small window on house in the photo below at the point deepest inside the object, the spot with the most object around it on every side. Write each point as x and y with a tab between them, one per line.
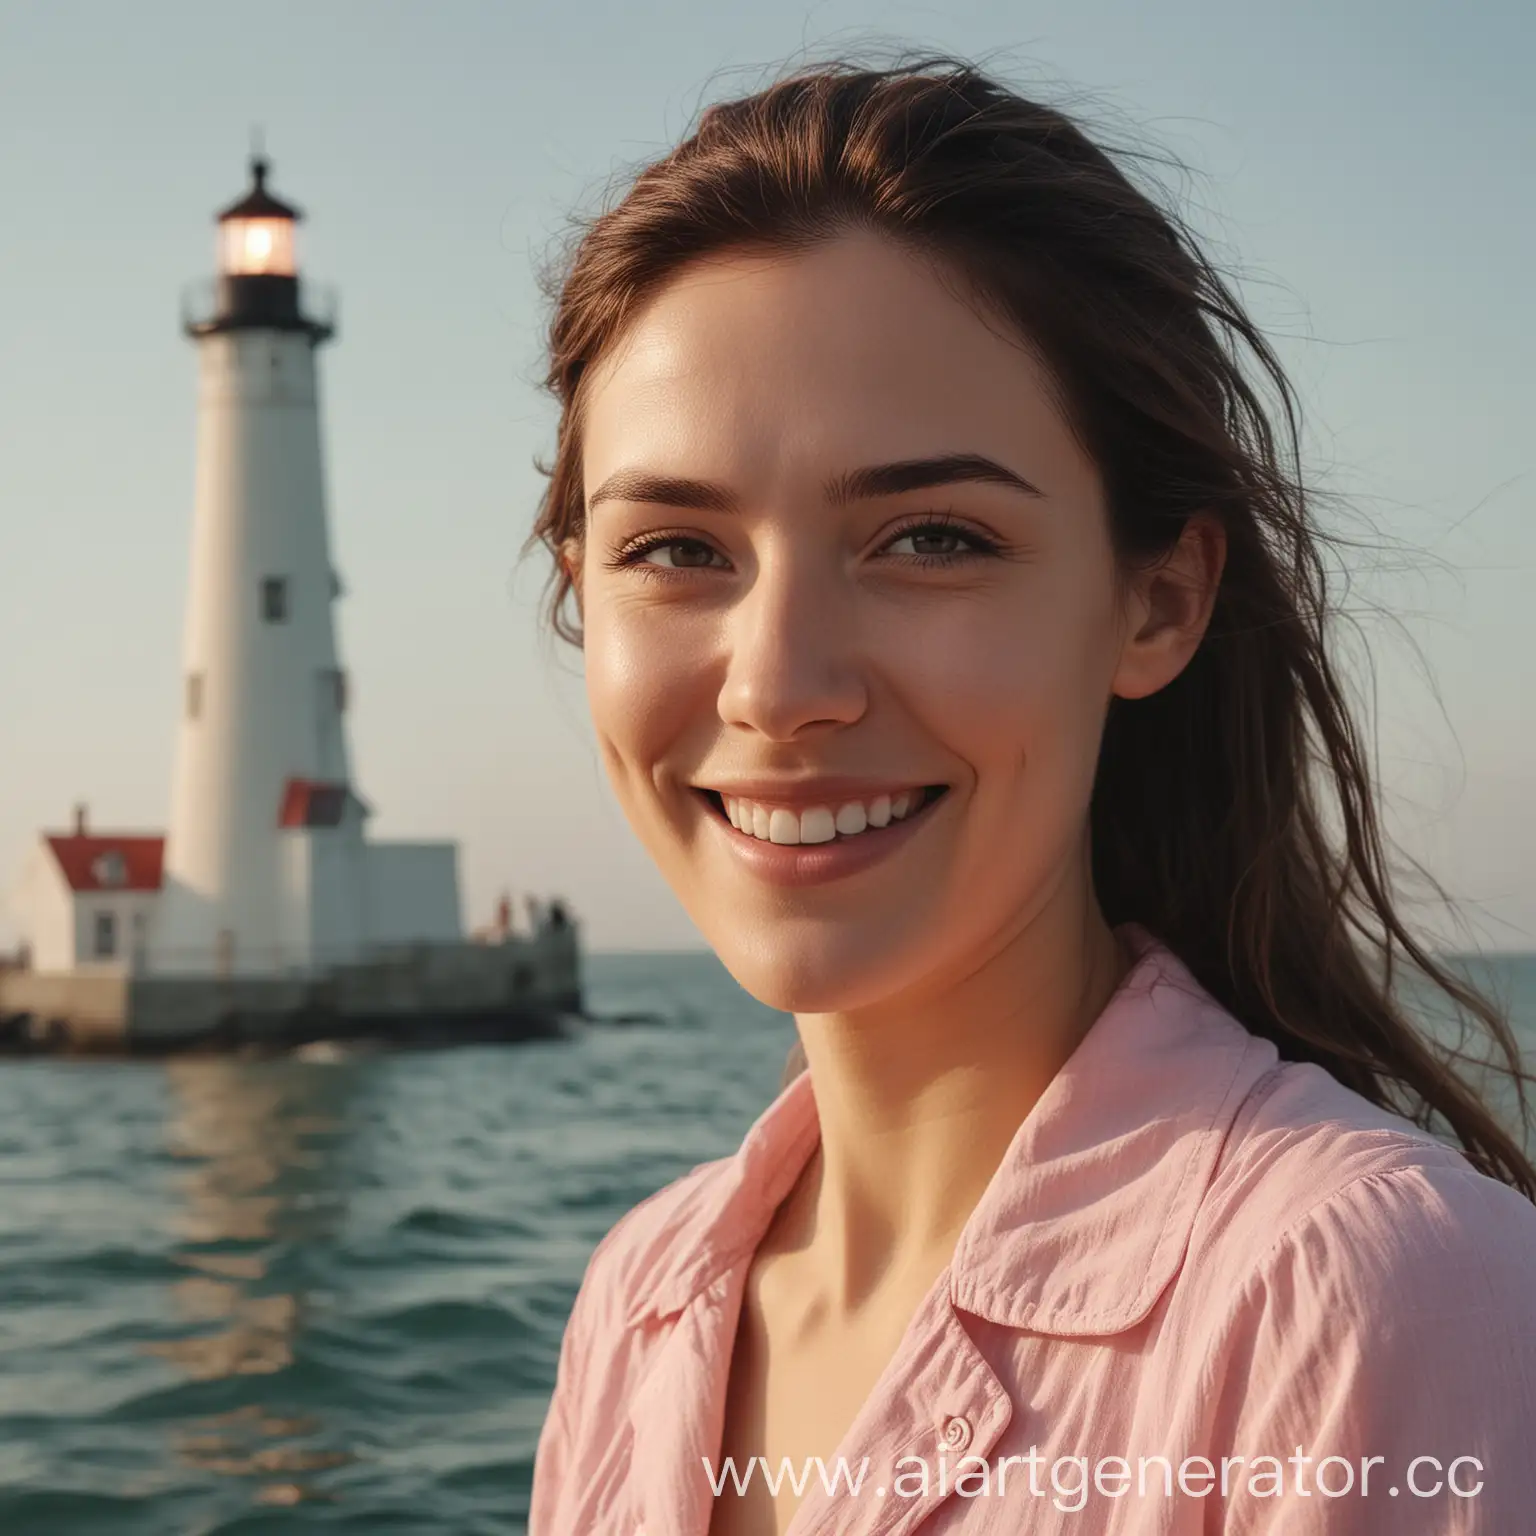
104	936
194	695
274	599
110	868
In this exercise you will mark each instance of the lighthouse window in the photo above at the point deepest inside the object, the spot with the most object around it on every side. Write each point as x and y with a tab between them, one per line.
194	695
274	599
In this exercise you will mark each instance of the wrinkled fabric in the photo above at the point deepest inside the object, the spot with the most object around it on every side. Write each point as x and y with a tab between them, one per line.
1191	1249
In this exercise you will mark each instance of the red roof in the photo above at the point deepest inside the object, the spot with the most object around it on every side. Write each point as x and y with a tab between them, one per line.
105	861
312	803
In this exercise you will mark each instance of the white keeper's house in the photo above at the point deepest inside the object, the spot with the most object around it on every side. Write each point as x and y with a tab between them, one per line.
88	897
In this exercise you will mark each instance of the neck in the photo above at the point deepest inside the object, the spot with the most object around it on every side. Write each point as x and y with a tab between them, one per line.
919	1098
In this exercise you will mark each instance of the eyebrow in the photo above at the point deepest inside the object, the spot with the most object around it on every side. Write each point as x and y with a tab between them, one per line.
852	485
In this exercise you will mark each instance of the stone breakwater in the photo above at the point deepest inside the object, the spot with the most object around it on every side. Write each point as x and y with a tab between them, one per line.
520	988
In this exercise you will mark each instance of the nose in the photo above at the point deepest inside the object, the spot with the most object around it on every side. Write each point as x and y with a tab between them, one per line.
792	652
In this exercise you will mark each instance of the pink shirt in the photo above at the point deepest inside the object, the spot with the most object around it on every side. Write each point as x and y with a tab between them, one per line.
1190	1250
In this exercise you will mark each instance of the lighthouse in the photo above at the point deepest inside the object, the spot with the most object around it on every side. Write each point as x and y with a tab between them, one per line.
264	857
265	913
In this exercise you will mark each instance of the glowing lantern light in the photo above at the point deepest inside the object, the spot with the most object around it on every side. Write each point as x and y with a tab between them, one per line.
256	235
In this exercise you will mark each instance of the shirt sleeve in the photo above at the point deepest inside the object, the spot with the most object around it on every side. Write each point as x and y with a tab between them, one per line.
1380	1374
554	1454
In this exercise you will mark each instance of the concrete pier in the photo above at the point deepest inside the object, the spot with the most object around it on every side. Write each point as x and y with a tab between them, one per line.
518	988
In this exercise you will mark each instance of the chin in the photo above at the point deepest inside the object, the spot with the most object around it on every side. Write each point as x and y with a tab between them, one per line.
803	966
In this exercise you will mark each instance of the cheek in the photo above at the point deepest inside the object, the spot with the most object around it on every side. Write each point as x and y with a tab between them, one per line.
642	689
1018	686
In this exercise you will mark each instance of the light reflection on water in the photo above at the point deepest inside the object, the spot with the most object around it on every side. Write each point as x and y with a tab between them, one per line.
259	1142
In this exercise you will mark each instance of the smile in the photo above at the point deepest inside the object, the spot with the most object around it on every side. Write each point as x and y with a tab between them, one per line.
843	841
821	823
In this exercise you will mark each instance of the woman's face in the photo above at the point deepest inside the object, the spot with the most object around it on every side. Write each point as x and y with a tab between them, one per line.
769	607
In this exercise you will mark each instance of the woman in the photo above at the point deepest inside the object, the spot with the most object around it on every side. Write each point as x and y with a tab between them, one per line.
954	631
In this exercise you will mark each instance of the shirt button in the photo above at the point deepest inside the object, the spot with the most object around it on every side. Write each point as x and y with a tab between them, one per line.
956	1432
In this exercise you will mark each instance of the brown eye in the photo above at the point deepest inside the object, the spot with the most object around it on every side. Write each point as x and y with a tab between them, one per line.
683	554
940	540
934	543
674	553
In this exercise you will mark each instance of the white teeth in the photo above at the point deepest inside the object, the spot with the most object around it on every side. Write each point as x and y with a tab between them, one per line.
817	823
851	819
783	826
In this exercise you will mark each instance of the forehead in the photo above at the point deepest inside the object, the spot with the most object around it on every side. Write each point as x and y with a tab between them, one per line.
855	351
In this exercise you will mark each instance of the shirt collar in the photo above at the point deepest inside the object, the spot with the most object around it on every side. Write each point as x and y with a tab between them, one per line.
1089	1214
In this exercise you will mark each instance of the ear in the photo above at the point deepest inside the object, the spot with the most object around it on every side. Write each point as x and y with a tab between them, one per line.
1168	607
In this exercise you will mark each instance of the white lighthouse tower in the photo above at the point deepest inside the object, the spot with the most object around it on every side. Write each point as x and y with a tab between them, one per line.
265	864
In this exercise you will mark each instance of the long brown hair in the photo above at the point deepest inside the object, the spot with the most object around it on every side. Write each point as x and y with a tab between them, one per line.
1234	812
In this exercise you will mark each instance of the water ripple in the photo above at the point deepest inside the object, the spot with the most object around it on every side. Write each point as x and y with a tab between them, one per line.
241	1297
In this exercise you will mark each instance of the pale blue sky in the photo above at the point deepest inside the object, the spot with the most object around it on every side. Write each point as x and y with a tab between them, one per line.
1367	164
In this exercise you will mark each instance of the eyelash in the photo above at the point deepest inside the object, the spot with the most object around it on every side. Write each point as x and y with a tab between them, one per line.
942	522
